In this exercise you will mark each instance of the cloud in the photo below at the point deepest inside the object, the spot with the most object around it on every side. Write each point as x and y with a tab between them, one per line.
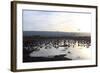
56	21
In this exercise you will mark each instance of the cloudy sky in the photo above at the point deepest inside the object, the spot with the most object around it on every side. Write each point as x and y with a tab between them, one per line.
56	21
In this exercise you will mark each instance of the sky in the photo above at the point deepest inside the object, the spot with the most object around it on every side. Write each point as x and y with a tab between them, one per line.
37	20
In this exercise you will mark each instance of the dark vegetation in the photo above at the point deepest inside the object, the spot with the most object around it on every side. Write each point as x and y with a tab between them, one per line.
35	43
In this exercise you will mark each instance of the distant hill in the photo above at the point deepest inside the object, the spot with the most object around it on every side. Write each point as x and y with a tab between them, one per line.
55	34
